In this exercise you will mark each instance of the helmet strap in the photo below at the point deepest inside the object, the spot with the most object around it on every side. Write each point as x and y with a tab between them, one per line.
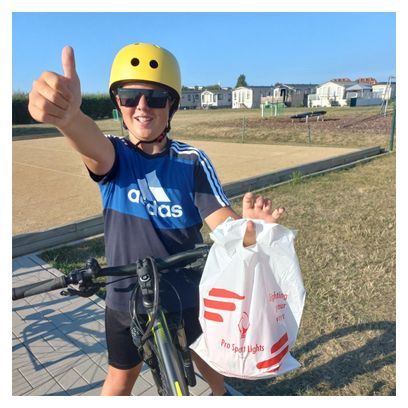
158	139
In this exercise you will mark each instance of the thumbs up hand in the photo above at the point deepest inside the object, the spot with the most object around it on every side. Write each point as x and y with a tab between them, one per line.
54	98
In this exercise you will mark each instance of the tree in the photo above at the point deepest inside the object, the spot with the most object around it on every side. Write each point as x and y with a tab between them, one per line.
241	81
214	87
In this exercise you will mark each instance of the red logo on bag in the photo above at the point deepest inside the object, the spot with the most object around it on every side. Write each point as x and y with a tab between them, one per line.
220	305
276	359
243	325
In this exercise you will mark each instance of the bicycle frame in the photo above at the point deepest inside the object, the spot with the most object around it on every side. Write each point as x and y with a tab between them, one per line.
167	355
171	379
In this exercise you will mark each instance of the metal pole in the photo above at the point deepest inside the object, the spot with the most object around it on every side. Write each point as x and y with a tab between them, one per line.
243	130
308	130
386	107
117	117
391	147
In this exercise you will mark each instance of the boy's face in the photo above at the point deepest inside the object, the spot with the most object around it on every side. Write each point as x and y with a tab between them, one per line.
143	122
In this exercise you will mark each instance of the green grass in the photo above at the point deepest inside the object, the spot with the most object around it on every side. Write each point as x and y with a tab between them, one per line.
346	248
296	177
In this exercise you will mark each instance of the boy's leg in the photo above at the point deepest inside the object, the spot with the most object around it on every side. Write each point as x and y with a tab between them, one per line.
120	382
124	360
214	379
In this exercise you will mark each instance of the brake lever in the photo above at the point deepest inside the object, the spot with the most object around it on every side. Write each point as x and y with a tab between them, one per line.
84	278
69	292
85	290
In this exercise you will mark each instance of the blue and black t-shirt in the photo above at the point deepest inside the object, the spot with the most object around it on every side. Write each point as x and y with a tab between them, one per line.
154	205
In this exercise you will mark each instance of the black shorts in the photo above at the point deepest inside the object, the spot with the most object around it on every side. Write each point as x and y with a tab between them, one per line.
122	353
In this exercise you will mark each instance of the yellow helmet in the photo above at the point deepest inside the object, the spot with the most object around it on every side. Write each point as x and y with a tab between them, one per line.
149	63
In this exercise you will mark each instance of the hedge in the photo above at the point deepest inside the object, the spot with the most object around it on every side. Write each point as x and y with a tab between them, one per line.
97	106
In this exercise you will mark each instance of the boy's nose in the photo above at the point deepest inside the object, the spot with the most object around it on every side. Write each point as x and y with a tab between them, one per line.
142	102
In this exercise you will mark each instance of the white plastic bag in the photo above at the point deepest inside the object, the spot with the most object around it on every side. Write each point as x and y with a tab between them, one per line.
251	302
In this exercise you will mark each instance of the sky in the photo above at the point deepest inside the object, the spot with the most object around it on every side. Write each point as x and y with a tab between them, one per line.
211	47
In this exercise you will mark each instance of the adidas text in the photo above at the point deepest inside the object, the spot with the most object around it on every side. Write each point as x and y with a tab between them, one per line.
155	209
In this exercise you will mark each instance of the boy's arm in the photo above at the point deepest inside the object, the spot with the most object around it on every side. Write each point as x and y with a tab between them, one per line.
56	99
252	207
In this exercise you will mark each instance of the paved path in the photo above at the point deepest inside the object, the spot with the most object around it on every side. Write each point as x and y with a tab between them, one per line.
59	342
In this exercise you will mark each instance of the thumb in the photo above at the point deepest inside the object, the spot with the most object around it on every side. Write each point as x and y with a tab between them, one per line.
248	201
68	62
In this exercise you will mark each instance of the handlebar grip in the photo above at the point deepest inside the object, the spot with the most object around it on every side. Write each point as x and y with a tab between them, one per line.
39	287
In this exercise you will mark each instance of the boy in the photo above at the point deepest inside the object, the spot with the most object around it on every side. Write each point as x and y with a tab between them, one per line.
155	191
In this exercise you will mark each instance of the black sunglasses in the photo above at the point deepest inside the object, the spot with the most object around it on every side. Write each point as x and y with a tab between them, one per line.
155	98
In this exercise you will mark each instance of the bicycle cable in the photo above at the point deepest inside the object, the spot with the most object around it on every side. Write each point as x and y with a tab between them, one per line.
117	280
135	315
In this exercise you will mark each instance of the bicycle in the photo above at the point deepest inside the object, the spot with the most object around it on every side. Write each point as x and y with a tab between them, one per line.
162	344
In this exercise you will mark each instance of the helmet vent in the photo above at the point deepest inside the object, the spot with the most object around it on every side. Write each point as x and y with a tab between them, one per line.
135	62
154	64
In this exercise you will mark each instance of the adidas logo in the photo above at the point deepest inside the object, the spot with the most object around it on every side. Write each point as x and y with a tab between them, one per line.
152	195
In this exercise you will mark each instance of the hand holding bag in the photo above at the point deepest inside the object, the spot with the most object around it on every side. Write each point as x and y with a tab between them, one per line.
251	302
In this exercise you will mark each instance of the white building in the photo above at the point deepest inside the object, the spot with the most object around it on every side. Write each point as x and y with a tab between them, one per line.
331	93
294	95
220	98
250	96
381	90
190	99
359	91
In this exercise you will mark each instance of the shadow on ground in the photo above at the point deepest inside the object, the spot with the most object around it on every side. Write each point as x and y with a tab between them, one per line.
59	337
339	372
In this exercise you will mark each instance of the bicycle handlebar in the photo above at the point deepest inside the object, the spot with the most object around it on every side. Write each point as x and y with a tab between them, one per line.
93	270
177	260
39	287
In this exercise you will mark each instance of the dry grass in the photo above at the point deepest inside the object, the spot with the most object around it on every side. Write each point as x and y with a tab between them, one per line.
351	127
346	247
